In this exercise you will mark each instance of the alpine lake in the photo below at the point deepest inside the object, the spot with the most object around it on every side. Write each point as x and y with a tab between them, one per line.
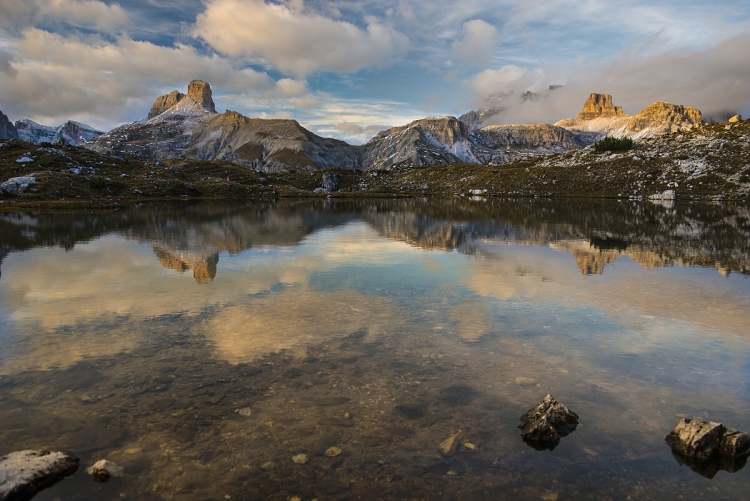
203	345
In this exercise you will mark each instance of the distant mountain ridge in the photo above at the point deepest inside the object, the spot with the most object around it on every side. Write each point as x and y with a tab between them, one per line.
188	126
70	133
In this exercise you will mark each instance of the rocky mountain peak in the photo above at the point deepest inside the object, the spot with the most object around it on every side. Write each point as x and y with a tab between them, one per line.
600	105
7	129
671	113
163	103
200	92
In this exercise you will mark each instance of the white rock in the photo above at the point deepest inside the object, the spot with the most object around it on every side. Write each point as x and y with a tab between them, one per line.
24	160
104	469
17	185
24	473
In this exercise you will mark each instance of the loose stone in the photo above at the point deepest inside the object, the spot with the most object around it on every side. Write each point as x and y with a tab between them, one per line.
332	452
448	446
300	459
247	411
104	469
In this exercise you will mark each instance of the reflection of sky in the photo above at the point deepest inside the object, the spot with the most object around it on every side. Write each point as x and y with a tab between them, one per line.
59	307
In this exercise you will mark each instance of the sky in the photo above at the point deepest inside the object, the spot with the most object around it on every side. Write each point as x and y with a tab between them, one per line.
348	69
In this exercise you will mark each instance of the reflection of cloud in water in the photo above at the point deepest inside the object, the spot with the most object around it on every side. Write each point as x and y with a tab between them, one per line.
295	318
628	293
44	349
472	319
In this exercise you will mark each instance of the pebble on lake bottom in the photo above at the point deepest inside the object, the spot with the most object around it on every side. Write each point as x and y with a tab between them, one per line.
300	459
246	411
332	452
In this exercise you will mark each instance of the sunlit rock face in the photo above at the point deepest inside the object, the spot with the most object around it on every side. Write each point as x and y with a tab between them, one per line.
598	106
600	115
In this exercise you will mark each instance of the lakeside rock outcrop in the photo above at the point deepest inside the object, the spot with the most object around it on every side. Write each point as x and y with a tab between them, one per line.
25	473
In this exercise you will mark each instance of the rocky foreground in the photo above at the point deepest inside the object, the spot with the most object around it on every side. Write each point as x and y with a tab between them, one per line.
706	162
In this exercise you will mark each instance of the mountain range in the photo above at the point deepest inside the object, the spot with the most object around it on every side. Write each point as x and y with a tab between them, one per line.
188	126
70	133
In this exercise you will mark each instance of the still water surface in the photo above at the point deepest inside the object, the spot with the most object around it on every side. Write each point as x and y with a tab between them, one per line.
380	328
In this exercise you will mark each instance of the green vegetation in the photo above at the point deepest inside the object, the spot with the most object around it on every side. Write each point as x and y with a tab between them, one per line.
97	184
614	144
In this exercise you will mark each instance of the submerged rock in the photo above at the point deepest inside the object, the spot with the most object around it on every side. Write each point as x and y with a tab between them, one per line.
104	469
300	459
24	473
545	424
704	440
448	446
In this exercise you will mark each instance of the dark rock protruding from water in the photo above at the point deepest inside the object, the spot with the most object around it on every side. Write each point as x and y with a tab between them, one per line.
704	441
24	473
545	424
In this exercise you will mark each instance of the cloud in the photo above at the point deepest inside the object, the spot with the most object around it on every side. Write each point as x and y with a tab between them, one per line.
294	41
352	128
81	13
712	79
478	43
304	102
105	83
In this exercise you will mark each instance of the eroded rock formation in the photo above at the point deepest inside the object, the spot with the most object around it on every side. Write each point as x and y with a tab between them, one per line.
600	105
545	424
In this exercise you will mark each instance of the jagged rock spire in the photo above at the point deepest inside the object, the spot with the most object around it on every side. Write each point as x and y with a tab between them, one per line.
600	105
200	92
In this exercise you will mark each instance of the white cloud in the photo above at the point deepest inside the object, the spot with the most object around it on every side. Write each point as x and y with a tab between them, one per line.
712	79
294	41
478	43
53	78
82	13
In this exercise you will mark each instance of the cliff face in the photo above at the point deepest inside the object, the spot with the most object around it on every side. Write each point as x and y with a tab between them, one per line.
600	105
7	129
599	115
163	103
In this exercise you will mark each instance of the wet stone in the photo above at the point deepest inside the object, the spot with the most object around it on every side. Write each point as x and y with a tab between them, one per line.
332	452
449	446
707	447
103	469
545	424
24	473
300	459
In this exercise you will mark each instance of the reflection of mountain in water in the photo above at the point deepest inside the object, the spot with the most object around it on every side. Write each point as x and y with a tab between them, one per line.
204	267
191	237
